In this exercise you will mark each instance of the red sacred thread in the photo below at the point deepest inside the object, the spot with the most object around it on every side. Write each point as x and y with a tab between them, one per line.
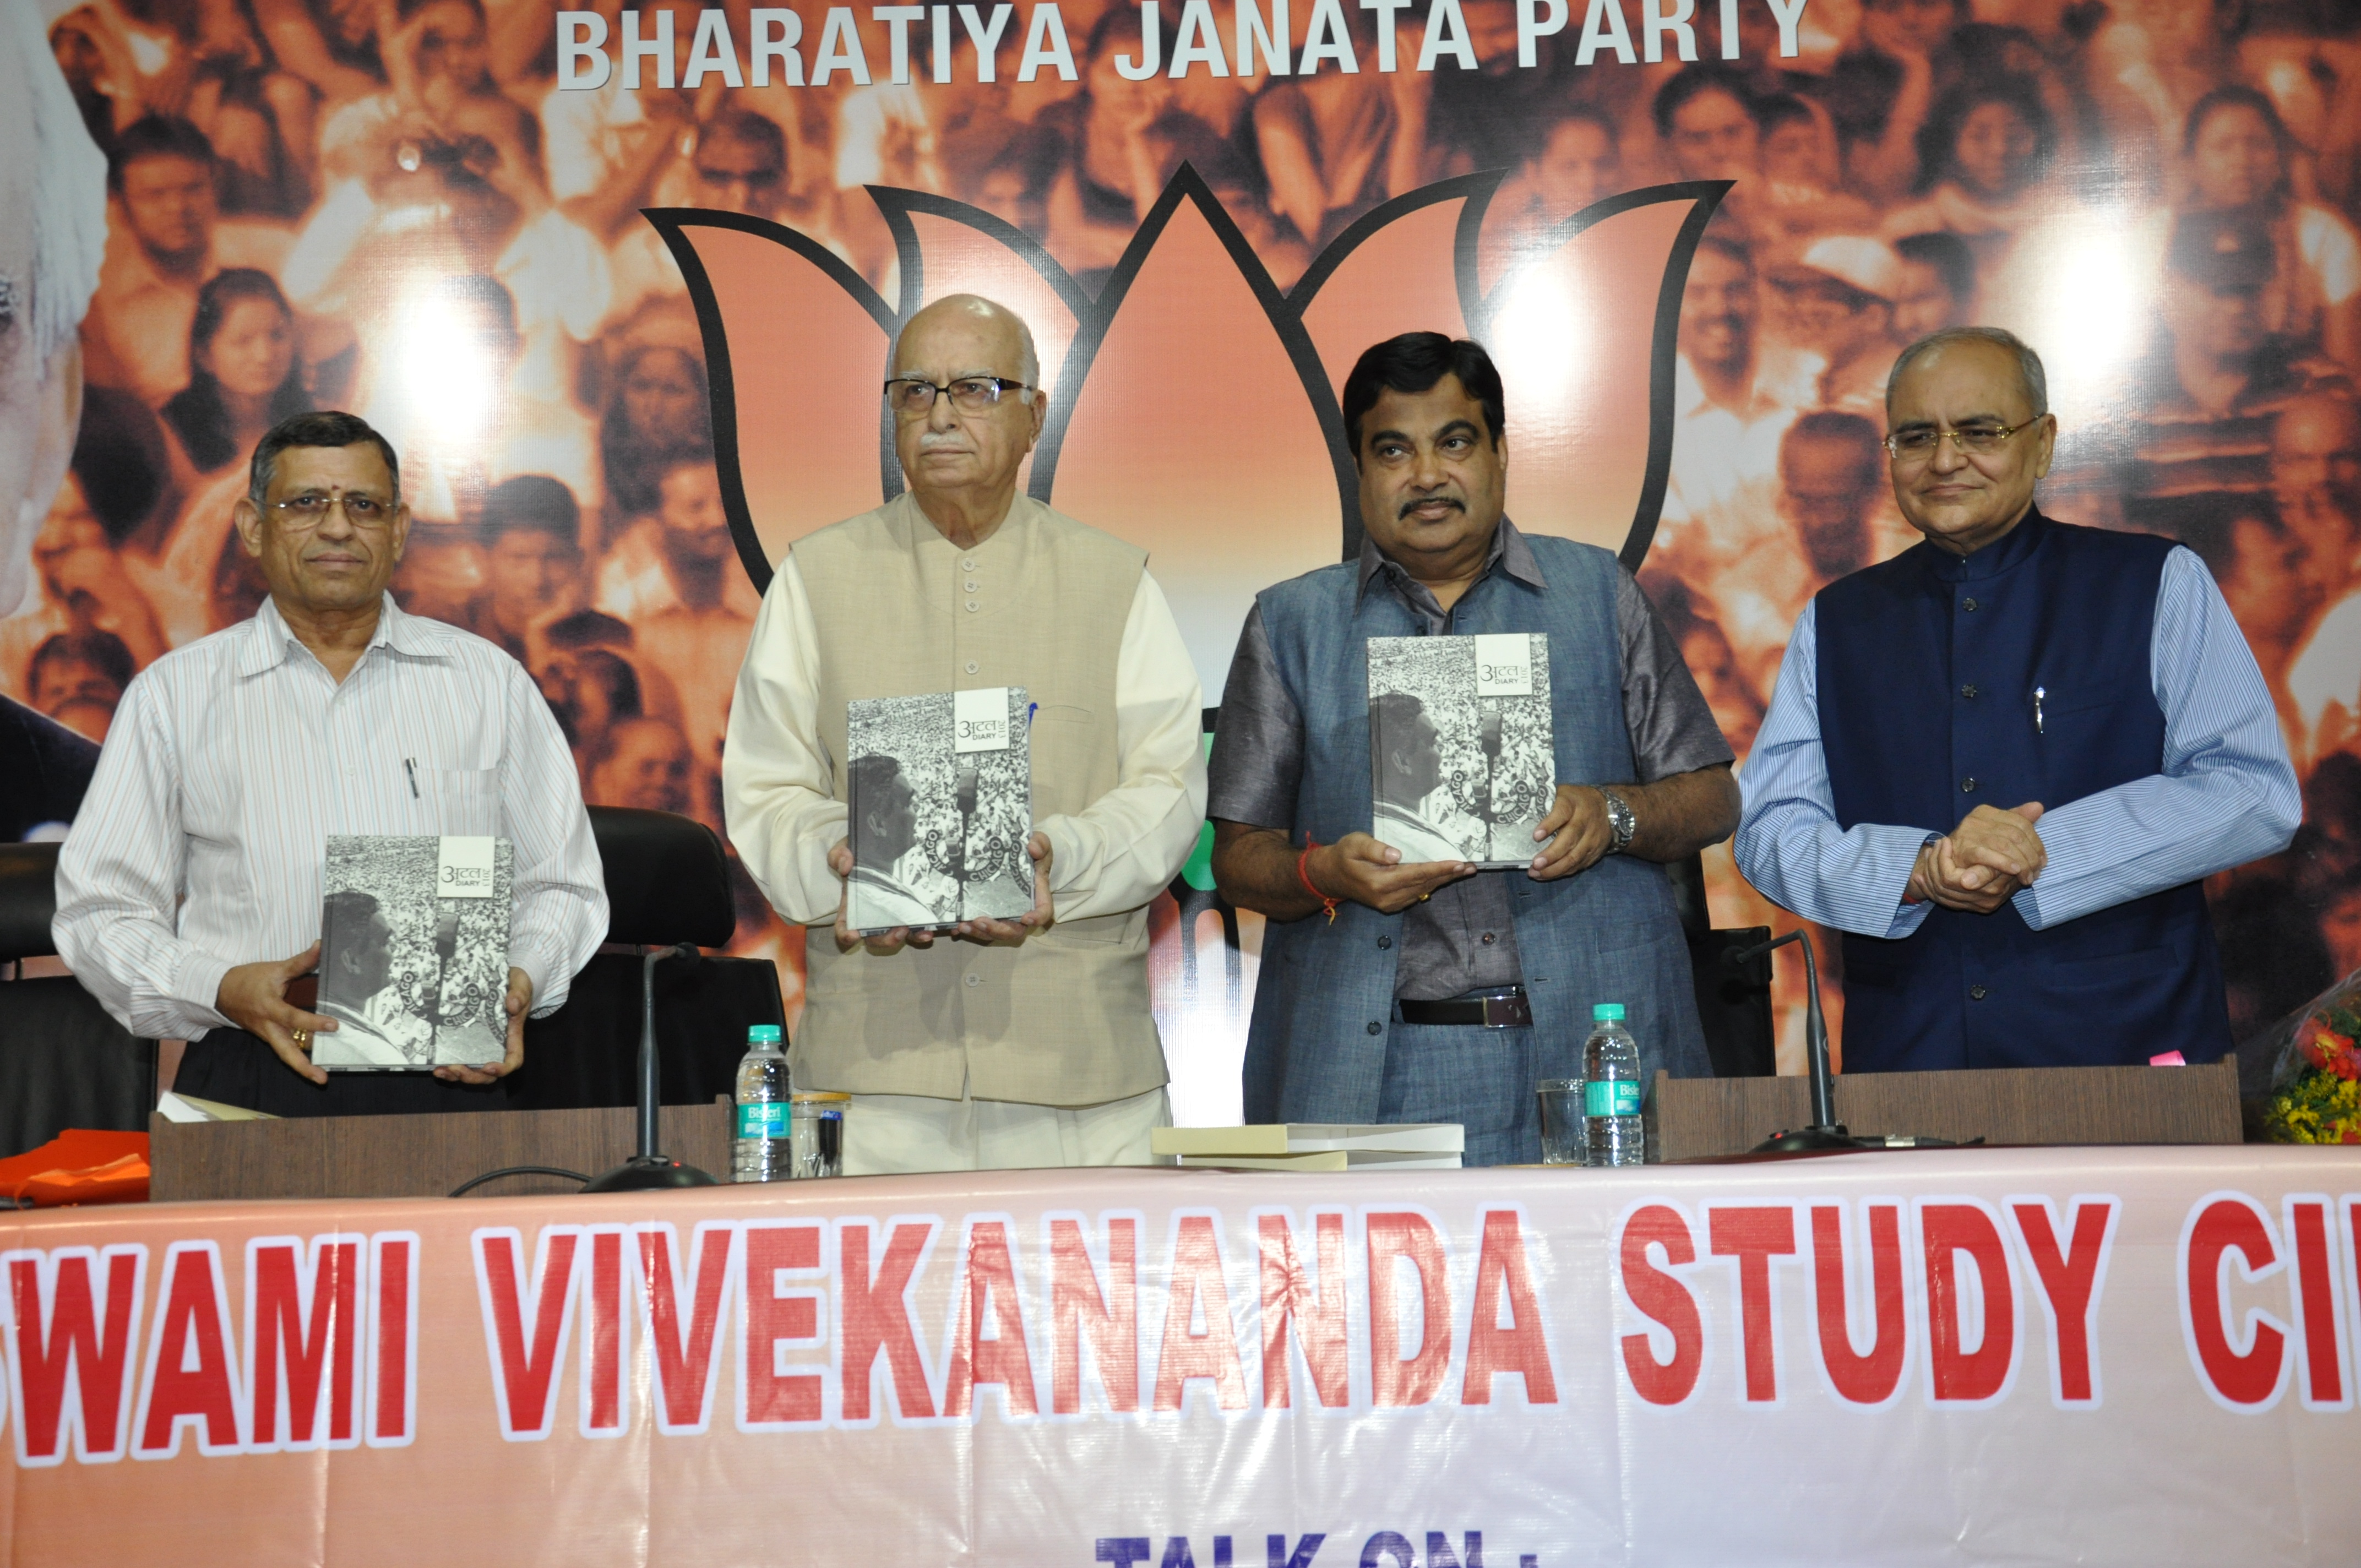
1303	875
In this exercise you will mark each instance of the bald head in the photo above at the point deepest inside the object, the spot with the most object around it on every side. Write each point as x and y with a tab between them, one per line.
975	311
961	450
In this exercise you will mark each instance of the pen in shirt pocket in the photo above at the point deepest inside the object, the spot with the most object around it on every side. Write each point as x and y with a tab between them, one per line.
410	766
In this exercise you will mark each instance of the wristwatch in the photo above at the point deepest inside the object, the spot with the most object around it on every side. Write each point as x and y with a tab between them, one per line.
1620	819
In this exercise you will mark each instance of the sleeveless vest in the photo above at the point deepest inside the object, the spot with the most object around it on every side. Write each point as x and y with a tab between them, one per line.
1062	1019
1324	1001
1928	668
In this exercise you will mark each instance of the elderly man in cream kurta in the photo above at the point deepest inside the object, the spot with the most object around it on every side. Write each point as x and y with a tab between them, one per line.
1000	1044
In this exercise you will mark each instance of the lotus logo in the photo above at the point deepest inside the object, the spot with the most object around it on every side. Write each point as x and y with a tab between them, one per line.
1193	407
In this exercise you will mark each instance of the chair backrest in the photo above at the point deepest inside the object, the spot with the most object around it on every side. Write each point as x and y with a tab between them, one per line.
666	879
29	900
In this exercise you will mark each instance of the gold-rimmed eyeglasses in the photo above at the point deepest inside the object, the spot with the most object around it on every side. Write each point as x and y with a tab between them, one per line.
311	508
1917	444
971	394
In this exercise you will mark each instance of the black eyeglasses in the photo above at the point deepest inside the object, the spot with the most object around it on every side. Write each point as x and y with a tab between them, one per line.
971	394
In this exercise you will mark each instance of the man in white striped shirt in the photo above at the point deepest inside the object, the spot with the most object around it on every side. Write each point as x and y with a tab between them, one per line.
189	891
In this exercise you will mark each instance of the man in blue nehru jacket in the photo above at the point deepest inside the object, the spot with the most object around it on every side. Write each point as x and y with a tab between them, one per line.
1396	987
2004	761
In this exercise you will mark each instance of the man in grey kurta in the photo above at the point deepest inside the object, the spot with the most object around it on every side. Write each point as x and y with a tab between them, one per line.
1434	991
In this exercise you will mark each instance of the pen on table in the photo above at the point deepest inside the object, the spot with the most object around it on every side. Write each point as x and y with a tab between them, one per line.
410	766
2038	693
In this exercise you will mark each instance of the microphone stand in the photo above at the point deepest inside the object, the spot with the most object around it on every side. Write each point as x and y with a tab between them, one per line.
647	1168
1825	1132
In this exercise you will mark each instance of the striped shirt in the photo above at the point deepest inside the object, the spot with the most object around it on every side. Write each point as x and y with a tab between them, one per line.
202	844
2224	794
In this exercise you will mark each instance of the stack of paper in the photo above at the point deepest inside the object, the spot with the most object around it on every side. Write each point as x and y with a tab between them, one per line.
1317	1145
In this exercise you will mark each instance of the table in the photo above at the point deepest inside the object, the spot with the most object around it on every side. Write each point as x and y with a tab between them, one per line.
2106	1355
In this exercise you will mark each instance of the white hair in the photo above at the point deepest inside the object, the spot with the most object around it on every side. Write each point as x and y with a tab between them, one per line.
68	194
2028	364
1028	362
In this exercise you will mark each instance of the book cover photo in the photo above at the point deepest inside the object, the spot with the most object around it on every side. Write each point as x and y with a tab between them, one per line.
941	801
1462	763
414	952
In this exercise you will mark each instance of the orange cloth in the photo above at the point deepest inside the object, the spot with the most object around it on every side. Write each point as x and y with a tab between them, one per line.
78	1165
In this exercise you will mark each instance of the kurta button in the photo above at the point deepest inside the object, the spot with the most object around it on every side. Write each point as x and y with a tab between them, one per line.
1967	604
975	980
1977	991
973	666
971	585
1968	690
966	565
1376	1028
1967	786
1385	942
972	605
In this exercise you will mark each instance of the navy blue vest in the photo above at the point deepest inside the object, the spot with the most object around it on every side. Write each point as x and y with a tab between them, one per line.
1928	668
1316	1047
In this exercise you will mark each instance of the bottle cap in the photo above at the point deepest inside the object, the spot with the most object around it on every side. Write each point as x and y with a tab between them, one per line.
761	1034
1605	1010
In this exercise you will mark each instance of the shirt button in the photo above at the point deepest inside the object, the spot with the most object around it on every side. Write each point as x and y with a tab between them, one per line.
1977	991
972	605
973	666
966	565
1967	786
1376	1028
1385	942
975	979
1968	690
1967	604
1487	938
971	585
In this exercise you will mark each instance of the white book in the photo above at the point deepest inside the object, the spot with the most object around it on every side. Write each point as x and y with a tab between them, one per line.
1274	1139
1327	1160
414	953
940	794
1462	763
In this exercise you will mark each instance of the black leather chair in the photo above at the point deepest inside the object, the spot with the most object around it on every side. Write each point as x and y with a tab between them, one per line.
1733	1000
667	882
63	1062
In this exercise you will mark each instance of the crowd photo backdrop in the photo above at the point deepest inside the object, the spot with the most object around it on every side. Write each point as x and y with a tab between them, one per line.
620	283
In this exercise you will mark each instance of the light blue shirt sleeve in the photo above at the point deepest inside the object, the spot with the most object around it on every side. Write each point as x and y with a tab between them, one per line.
1789	844
2227	794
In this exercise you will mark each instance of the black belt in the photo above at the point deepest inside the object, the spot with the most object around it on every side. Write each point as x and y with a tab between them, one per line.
1505	1008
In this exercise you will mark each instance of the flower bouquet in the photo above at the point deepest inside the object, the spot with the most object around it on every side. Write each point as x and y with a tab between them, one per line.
2316	1089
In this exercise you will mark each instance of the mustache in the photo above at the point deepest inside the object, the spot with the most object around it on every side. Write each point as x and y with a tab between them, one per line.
939	440
1408	507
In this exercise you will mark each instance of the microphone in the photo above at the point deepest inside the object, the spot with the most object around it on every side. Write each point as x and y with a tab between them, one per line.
647	1168
1826	1131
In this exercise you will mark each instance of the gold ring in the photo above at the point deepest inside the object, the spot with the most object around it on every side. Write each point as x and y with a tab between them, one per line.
302	1036
1421	898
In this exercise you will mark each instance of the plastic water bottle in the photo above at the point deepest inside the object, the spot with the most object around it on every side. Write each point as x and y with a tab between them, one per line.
760	1150
1610	1090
